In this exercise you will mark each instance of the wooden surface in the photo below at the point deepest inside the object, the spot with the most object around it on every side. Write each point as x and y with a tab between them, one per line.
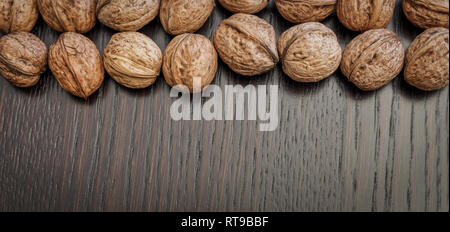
336	148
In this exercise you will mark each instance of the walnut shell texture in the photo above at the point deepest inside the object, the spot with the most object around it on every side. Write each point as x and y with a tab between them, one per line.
76	64
133	59
68	15
247	44
127	15
190	56
18	15
23	58
244	6
363	15
373	59
427	60
309	52
301	11
427	13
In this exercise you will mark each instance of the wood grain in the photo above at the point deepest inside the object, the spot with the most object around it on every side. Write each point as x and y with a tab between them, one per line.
336	148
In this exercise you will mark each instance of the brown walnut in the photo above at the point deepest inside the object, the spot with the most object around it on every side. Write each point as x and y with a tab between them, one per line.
301	11
184	16
247	44
373	59
426	63
76	64
363	15
190	56
68	15
427	13
18	15
127	15
133	59
244	6
309	52
23	58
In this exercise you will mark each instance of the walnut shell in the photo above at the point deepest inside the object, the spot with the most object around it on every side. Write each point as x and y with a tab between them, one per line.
127	15
133	59
244	6
427	13
184	16
68	15
247	44
301	11
18	15
309	52
76	64
363	15
426	63
190	56
373	59
23	58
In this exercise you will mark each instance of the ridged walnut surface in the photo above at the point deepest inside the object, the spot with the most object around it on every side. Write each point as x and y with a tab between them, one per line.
247	44
309	52
76	64
190	56
23	58
426	63
373	59
133	59
184	16
18	15
68	15
244	6
301	11
427	13
127	15
363	15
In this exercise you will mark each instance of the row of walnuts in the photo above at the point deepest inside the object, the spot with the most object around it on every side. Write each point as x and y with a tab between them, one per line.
309	52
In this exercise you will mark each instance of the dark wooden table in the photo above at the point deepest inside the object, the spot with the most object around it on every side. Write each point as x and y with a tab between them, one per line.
336	148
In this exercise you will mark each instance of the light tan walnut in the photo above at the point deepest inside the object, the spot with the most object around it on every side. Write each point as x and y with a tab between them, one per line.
18	15
427	13
244	6
301	11
363	15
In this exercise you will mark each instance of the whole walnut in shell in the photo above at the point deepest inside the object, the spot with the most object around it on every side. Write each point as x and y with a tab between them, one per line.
244	6
301	11
127	15
426	63
309	52
68	15
76	64
373	59
184	16
18	15
23	58
190	56
427	13
247	44
363	15
133	59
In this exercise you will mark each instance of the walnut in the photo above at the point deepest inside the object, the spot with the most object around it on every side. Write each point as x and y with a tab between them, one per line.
309	52
363	15
76	64
301	11
247	44
133	59
244	6
18	15
373	59
127	15
426	63
68	15
23	58
426	13
184	16
190	56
